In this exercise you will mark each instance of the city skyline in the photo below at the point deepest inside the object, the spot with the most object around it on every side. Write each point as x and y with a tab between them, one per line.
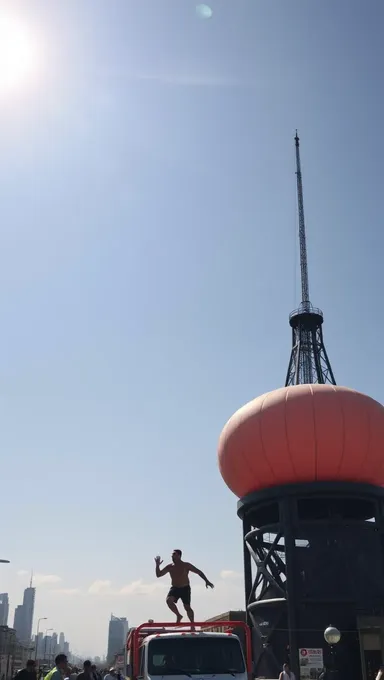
24	621
48	646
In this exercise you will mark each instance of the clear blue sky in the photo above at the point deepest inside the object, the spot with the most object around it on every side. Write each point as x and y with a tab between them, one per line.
148	264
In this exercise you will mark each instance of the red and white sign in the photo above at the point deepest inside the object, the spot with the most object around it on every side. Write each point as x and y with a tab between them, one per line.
311	662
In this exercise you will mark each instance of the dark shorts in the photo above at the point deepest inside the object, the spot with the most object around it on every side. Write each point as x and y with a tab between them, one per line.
183	594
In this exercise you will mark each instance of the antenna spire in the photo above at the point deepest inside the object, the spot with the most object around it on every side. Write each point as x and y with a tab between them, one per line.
309	361
302	236
30	583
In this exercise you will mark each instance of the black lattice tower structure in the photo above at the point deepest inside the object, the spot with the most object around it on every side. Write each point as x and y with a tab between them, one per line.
306	462
309	361
313	555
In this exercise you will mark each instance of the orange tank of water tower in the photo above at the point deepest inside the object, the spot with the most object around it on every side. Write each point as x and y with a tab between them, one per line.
303	433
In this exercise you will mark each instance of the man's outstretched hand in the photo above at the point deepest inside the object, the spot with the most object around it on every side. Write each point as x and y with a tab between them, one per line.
208	584
158	560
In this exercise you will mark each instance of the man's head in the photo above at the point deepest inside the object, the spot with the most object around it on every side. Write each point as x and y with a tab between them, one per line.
61	661
31	666
87	666
176	555
112	671
286	668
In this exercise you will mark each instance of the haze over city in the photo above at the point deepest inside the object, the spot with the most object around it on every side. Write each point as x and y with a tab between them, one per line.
148	264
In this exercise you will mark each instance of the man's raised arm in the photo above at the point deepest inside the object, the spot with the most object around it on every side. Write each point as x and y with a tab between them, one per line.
194	570
161	572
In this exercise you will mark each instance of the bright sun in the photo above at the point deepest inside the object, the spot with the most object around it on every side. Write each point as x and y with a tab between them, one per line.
18	55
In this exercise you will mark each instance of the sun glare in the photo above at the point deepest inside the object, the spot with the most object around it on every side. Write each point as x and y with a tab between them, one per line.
18	55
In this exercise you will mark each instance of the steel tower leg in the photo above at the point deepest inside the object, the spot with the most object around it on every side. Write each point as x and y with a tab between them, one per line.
309	361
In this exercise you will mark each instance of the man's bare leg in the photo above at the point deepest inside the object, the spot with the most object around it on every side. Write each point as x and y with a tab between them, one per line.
190	614
173	607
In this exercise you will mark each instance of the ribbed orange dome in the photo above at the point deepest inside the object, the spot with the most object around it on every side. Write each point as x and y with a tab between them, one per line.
304	433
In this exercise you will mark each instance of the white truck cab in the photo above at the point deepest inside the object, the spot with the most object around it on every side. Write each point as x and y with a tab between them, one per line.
165	652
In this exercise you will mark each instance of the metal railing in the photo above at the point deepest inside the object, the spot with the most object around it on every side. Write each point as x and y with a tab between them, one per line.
306	308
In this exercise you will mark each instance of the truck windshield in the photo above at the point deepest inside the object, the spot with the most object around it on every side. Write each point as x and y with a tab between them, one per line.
195	655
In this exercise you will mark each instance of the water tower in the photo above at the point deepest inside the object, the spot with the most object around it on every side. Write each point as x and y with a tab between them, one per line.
307	464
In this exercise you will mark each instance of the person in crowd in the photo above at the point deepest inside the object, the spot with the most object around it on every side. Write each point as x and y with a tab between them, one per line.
286	673
324	675
111	675
87	673
60	669
181	588
96	673
29	672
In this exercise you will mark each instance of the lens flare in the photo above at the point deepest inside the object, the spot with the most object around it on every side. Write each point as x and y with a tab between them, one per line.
203	11
18	55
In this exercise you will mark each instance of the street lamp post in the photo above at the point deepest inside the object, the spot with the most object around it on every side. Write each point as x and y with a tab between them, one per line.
43	618
332	636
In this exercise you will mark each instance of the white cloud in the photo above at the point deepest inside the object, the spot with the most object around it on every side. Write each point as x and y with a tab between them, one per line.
100	587
43	579
141	588
40	579
228	579
229	575
229	582
66	591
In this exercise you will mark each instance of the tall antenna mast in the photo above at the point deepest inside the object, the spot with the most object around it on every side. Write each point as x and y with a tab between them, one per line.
309	361
302	238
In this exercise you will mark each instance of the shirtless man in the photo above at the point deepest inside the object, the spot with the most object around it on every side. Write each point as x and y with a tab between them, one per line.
180	588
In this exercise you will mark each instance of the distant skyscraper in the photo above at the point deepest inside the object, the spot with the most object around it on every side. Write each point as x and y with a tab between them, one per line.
117	635
54	645
40	646
24	615
18	621
29	608
4	609
61	642
66	648
47	647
